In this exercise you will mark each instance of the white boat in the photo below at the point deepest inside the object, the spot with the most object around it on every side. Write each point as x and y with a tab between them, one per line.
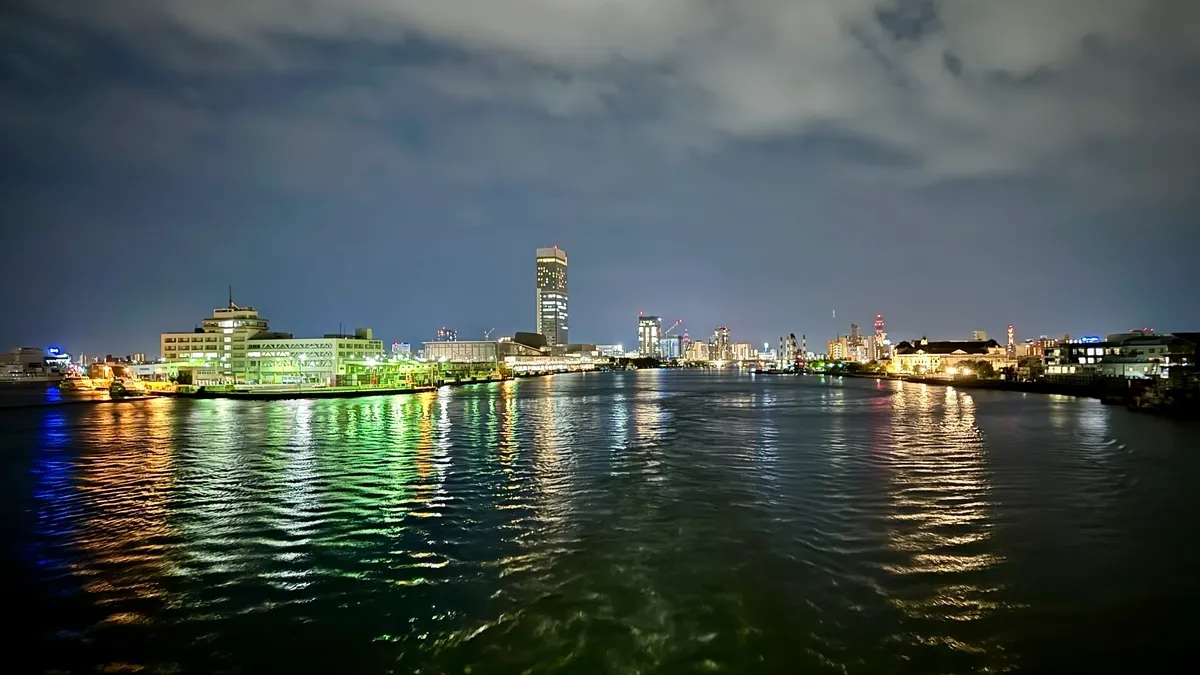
127	386
77	383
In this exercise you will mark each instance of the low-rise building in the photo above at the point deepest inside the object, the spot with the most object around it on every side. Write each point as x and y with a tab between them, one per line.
1133	355
288	360
478	351
921	357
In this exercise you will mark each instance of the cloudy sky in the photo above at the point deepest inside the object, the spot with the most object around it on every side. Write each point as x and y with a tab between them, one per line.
956	165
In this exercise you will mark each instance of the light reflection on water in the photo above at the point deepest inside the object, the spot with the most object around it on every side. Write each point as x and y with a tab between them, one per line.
627	522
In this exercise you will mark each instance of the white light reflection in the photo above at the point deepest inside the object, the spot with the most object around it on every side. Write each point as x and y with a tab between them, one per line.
940	521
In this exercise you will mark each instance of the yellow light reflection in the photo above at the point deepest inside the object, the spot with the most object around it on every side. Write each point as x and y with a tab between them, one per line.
940	522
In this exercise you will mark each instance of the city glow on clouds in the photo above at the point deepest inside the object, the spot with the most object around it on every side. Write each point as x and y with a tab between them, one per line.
963	88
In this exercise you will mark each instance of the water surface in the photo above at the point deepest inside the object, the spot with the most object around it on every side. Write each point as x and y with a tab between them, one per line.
641	522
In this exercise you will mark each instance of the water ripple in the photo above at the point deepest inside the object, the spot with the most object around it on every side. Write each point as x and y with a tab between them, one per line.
626	522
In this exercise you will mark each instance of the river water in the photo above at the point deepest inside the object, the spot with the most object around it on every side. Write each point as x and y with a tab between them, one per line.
634	522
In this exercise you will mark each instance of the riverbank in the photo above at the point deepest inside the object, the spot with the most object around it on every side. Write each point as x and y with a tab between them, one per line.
1097	391
244	393
1140	399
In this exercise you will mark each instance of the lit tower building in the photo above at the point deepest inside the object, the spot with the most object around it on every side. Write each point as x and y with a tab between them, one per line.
649	334
879	351
1012	342
552	295
720	344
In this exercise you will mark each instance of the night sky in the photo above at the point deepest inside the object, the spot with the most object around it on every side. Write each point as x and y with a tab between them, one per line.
752	163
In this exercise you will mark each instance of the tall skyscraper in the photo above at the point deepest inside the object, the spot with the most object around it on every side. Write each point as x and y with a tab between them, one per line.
649	334
552	295
1012	342
720	345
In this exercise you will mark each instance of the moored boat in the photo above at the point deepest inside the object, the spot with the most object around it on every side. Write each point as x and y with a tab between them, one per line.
127	386
75	382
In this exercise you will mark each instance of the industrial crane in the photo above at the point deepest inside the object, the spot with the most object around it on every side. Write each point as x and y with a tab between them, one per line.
678	322
488	333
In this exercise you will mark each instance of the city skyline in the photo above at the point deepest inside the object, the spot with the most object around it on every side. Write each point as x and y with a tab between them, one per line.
840	329
383	164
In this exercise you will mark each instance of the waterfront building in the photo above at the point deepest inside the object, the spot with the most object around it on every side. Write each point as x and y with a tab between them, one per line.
743	351
551	318
611	351
720	348
220	340
282	359
234	345
30	357
979	336
671	347
649	334
513	354
1012	342
697	351
922	356
1137	354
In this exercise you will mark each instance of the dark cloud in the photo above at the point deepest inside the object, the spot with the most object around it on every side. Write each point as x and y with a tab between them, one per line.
696	127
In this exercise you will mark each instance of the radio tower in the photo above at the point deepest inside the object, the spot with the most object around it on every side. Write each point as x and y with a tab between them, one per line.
880	337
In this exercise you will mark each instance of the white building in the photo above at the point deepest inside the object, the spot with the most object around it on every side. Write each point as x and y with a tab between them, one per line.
698	351
220	342
234	345
272	360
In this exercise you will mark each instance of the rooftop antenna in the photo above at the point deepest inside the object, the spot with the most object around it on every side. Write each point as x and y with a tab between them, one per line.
231	305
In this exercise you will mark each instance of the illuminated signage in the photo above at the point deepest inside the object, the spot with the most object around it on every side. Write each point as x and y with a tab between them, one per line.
1090	339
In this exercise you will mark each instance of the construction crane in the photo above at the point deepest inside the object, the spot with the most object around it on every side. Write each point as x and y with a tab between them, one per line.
488	333
677	324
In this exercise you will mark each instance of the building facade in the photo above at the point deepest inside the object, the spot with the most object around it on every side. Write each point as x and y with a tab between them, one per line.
221	341
922	357
1133	355
838	349
234	345
671	347
697	351
649	334
743	351
290	360
552	295
721	349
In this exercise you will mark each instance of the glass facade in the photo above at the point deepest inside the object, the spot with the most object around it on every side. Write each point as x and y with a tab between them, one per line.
552	300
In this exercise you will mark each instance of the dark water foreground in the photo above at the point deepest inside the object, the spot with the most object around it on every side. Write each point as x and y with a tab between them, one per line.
643	522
